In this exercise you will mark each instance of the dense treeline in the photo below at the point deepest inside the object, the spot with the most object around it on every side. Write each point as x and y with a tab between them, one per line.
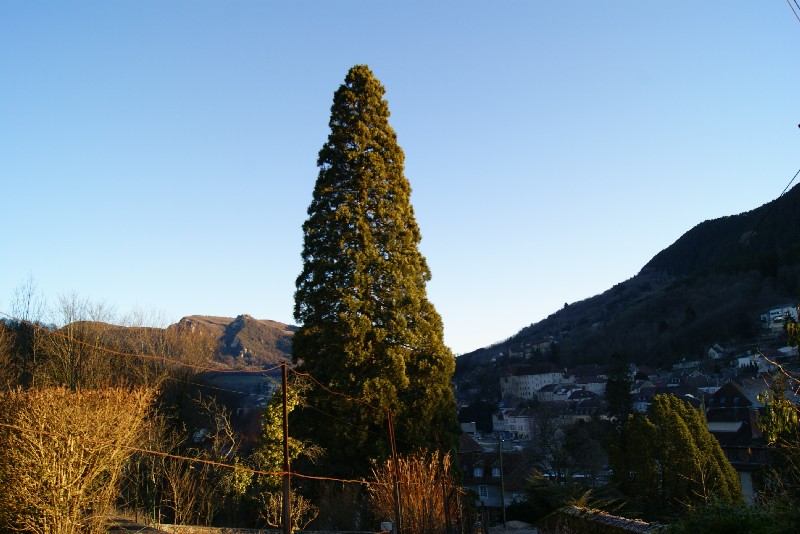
762	240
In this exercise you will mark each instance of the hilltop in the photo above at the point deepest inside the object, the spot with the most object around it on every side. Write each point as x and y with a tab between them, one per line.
244	339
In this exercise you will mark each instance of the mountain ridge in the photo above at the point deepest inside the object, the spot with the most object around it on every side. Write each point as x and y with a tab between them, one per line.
244	339
709	286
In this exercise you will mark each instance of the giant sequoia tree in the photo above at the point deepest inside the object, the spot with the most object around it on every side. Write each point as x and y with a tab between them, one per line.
368	329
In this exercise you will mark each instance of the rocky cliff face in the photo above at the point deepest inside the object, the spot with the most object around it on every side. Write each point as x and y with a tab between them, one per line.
245	339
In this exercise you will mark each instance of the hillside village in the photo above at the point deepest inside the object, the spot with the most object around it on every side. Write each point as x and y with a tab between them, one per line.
537	409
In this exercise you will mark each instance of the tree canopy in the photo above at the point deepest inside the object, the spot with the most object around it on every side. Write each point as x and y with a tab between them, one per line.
368	330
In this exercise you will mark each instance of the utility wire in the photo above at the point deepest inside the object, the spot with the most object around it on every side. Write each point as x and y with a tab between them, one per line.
203	368
343	422
213	463
216	388
772	205
792	8
40	432
237	467
338	394
215	370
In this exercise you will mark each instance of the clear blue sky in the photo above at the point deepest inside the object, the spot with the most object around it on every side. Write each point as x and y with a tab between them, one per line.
160	156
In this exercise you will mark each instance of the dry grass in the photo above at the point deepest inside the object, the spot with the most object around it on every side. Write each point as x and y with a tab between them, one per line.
427	493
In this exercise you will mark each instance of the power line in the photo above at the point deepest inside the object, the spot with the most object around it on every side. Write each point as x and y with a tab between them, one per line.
217	388
342	421
286	473
263	372
338	394
237	467
792	8
203	368
772	204
213	463
164	359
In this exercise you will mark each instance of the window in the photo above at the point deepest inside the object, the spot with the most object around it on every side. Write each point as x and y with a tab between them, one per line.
496	472
483	492
477	472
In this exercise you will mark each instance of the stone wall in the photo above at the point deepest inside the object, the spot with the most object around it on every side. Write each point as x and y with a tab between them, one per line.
189	529
574	519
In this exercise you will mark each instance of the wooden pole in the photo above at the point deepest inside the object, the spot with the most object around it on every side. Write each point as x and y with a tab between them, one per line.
398	511
460	512
287	494
502	480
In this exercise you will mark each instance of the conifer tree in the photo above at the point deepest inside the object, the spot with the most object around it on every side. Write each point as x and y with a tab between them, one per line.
367	327
618	389
669	463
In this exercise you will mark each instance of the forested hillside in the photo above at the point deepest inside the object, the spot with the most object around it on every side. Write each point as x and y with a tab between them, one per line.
710	286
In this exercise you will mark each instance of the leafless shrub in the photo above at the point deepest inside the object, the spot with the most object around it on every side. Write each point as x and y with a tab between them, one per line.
271	510
62	454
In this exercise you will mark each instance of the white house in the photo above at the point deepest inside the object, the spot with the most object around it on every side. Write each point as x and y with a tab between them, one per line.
744	361
595	384
776	317
517	422
525	386
716	352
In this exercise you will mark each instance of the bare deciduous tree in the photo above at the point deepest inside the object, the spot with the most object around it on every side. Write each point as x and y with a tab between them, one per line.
73	354
196	491
27	312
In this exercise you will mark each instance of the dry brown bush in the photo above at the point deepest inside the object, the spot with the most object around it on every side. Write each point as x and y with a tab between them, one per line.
427	493
62	454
